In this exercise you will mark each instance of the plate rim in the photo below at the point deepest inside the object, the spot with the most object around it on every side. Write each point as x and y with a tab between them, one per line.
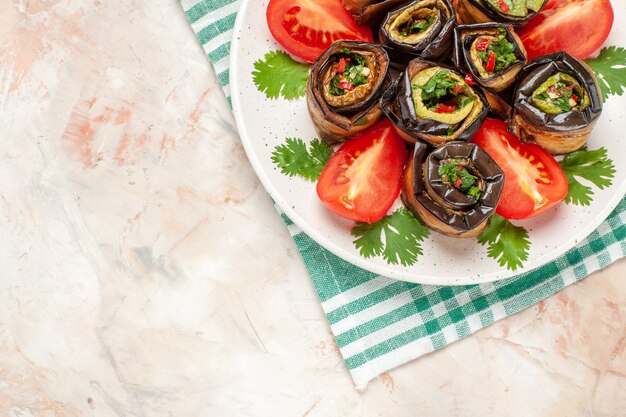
357	260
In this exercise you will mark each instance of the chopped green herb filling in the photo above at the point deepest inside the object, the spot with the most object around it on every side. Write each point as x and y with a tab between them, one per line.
560	93
517	7
455	174
352	71
496	55
415	26
441	88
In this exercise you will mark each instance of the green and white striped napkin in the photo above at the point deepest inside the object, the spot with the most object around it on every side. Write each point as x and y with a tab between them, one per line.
380	323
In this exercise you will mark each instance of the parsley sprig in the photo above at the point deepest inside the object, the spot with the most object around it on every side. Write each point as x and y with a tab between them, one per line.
610	68
277	75
293	158
593	166
397	237
508	244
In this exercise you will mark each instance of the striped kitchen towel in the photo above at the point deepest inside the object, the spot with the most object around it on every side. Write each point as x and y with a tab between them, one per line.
380	323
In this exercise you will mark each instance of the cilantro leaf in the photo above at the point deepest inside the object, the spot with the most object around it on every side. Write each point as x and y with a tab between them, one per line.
279	75
370	238
610	68
508	244
293	158
594	166
396	237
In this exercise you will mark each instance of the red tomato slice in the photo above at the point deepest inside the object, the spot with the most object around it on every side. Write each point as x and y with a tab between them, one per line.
362	179
306	28
578	27
533	180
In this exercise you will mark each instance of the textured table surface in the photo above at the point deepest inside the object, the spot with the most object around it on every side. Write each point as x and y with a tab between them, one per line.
146	273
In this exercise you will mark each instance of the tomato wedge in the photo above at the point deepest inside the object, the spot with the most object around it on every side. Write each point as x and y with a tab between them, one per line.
361	180
306	28
533	180
578	27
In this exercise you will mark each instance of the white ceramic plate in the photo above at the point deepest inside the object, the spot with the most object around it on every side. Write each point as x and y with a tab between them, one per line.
265	123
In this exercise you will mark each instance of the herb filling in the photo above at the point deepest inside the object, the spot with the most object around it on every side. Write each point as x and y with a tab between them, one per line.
518	8
454	173
496	55
443	94
416	25
352	71
560	93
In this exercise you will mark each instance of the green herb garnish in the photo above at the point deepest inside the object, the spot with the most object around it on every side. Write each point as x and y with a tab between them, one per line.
508	244
594	166
397	237
293	158
610	67
279	75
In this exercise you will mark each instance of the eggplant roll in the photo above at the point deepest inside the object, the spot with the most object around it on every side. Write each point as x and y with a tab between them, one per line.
500	109
344	88
513	12
453	190
557	103
370	12
434	104
491	52
421	28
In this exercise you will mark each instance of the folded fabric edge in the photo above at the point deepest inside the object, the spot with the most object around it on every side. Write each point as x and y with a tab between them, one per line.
561	274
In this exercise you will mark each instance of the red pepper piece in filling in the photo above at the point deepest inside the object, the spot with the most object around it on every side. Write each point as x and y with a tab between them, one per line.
575	97
482	45
346	85
491	64
342	65
503	6
443	108
469	79
458	182
457	89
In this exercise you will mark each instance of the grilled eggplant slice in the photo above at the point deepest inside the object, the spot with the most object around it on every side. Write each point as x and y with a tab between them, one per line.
434	104
491	52
557	103
500	109
421	28
370	12
454	189
344	88
513	12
